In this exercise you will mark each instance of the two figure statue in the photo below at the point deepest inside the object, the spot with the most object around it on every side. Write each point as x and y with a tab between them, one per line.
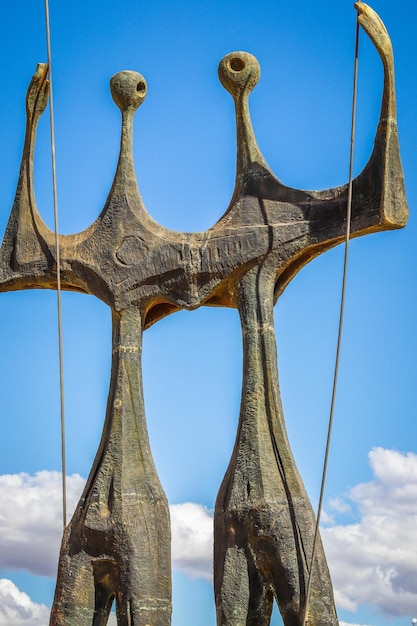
117	544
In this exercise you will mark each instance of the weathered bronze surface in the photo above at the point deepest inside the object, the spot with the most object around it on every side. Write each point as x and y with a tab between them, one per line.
117	545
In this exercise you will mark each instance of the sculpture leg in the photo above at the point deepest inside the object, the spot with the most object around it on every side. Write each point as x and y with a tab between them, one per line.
242	598
144	588
231	585
104	598
74	601
131	612
261	604
118	543
262	504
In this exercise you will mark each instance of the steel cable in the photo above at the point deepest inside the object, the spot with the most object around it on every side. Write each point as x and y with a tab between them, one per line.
341	316
58	266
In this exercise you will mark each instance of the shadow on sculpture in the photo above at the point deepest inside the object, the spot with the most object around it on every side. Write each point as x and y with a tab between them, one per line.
117	544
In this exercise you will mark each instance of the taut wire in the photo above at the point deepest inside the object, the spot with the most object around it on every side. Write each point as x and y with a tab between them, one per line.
58	266
341	315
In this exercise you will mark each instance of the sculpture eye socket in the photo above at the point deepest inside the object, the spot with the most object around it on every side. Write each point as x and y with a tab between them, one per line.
141	87
236	64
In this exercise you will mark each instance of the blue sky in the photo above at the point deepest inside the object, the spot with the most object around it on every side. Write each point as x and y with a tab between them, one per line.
185	160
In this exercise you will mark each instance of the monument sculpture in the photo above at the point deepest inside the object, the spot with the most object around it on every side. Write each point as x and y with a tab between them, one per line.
117	545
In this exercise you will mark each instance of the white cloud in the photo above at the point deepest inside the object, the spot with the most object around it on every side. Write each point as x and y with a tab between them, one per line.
192	539
374	560
17	609
339	505
31	525
31	519
350	624
326	518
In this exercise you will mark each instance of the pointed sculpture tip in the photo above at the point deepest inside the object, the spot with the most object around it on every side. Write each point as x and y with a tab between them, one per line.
128	90
41	70
37	93
361	7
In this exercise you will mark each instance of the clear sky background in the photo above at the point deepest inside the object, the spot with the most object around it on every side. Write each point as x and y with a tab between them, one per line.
185	160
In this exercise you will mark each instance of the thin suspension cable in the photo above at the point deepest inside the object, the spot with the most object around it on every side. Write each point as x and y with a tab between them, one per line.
58	267
341	315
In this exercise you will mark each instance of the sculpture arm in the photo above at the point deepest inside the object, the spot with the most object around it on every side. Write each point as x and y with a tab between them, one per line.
28	250
290	226
378	195
375	29
381	184
25	237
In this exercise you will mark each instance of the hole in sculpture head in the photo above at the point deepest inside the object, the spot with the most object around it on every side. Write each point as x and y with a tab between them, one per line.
141	87
237	64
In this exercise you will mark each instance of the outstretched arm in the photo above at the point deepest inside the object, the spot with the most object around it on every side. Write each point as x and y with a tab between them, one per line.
97	260
380	186
303	224
375	29
28	251
378	196
25	237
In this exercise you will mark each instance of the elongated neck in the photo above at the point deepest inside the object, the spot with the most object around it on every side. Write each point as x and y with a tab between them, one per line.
125	179
248	152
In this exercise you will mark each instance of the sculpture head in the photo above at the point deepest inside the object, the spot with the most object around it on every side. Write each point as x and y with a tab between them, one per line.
239	72
128	90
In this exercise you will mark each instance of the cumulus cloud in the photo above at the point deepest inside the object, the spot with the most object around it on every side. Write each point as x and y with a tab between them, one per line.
373	560
31	519
192	539
18	609
339	505
31	525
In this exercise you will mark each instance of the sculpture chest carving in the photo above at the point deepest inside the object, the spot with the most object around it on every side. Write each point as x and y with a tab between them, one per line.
117	545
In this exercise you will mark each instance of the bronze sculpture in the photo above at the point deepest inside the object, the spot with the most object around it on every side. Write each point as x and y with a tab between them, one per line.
117	544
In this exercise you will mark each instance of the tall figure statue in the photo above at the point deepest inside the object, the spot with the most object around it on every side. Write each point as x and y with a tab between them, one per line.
117	545
263	523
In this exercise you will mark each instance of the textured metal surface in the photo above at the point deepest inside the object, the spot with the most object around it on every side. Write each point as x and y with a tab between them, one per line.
117	545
